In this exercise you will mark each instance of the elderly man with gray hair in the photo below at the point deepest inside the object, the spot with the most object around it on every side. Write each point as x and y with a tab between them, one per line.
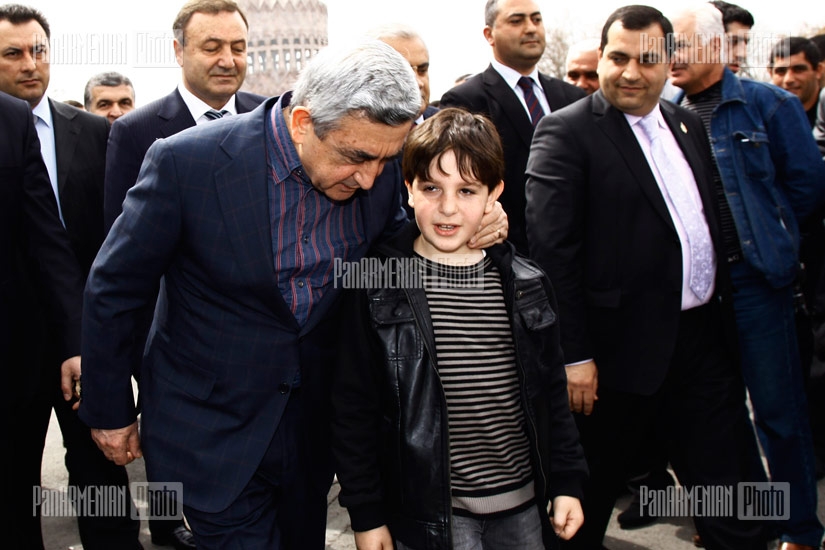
242	219
769	177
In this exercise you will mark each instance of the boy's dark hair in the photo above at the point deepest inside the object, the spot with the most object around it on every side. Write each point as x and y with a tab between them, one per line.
731	13
636	18
472	138
17	14
794	45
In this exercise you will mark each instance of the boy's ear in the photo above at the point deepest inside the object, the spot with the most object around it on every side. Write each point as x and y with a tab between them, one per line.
493	196
409	194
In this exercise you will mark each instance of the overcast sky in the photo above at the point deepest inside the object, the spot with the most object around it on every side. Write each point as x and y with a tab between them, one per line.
100	35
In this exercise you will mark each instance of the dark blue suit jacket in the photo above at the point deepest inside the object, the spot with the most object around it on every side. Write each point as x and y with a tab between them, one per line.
133	134
224	347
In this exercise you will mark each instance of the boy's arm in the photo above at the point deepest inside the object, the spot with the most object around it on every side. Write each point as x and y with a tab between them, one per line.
357	415
568	467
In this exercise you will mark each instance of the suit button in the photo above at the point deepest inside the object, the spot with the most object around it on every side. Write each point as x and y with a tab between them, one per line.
283	388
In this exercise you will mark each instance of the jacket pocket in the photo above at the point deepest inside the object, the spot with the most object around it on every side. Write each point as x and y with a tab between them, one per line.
533	306
753	150
394	322
183	373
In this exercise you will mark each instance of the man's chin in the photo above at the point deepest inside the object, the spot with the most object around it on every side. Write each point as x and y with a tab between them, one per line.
340	194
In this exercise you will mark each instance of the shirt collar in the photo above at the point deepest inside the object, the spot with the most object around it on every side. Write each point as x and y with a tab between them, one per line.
511	75
197	107
656	112
43	111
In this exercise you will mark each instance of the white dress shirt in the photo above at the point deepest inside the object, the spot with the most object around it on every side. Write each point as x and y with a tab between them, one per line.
44	125
198	108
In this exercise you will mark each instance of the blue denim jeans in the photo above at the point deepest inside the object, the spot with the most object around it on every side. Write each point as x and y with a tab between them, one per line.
773	376
520	531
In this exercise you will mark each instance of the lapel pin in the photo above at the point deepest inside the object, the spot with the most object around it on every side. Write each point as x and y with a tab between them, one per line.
683	127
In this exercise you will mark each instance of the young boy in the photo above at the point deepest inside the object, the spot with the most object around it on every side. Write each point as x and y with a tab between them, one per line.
451	425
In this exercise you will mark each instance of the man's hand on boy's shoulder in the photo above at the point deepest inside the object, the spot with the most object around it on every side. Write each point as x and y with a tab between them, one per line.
374	539
494	228
566	515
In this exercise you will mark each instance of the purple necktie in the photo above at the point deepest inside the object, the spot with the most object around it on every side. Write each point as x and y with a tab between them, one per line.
533	105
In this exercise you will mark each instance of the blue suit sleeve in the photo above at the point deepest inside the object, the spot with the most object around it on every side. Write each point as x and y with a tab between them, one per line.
122	283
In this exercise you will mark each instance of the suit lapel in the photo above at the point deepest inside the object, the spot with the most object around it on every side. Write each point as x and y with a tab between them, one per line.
500	93
174	115
245	205
66	132
614	124
553	93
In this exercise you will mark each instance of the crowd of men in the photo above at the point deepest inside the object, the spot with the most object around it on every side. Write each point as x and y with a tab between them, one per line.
676	205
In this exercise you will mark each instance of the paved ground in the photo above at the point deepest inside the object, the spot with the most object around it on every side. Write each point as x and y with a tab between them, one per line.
61	533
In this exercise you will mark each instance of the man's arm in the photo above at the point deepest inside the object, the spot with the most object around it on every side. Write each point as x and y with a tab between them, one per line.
800	170
122	283
556	201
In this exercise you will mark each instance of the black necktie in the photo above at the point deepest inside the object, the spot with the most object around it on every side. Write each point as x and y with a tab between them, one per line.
213	114
533	105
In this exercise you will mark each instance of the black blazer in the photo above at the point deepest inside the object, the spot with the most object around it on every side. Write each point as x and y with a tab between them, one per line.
133	134
598	225
487	93
35	255
80	144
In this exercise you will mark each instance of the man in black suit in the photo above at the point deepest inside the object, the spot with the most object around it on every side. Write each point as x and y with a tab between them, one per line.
210	46
621	215
73	147
36	264
507	92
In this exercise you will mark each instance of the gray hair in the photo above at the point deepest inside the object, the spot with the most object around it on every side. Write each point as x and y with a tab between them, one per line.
490	12
588	45
370	80
391	31
111	79
708	23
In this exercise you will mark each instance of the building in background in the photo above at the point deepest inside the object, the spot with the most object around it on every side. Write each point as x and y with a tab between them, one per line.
283	36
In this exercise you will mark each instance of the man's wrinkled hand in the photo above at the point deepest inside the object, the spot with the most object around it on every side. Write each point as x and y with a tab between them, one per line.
70	380
494	228
121	445
582	386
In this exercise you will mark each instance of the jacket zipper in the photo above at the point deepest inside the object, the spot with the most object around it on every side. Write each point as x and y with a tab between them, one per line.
444	422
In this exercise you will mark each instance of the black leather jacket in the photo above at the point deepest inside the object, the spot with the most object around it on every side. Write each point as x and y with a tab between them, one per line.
390	434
